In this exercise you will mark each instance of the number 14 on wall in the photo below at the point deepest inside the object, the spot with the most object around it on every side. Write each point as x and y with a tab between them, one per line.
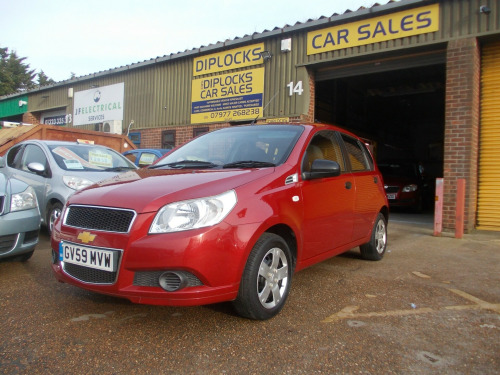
295	88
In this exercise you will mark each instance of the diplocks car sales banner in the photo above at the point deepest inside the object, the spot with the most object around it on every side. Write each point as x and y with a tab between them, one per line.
99	104
229	96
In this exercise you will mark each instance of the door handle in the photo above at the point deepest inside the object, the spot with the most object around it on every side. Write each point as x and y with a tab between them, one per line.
348	185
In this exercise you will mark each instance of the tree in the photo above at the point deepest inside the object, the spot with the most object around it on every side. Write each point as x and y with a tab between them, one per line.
15	75
43	80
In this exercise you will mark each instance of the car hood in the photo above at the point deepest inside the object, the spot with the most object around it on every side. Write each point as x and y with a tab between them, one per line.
399	180
147	190
16	186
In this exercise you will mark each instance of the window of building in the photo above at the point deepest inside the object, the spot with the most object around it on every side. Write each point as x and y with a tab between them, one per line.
168	139
135	137
199	131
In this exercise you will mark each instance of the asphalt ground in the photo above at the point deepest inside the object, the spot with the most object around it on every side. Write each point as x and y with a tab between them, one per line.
431	306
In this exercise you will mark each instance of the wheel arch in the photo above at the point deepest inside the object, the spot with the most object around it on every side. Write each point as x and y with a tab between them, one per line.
385	211
50	203
288	235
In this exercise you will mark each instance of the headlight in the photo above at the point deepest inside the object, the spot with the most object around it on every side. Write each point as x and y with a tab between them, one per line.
192	214
24	200
410	188
76	183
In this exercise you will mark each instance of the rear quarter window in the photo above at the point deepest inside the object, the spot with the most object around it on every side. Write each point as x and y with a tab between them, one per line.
359	157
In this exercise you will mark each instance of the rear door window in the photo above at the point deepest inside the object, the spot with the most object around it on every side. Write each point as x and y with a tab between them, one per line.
359	158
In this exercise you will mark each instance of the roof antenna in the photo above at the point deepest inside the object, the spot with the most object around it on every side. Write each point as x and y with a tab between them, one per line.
269	102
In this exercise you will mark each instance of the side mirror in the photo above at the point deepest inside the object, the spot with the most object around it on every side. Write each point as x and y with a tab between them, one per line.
2	162
322	168
36	167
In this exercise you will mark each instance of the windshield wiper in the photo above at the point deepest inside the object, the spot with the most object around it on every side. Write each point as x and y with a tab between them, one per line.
186	164
249	164
117	169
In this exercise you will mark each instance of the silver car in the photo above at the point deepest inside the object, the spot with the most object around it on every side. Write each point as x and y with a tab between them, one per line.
56	169
19	218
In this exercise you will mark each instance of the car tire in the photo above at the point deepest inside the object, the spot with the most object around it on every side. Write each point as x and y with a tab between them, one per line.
266	280
375	249
53	213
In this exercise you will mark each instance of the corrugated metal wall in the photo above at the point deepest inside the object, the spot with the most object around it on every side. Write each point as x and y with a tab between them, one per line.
488	214
458	19
158	91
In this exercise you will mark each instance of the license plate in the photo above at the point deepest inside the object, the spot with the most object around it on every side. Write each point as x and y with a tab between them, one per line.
86	256
391	196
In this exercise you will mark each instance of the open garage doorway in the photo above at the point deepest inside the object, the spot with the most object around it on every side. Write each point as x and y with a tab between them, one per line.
401	113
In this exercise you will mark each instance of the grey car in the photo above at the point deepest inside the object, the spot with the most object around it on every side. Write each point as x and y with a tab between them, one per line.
19	218
56	169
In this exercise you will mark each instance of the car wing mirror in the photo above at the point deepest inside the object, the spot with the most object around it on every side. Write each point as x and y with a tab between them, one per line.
2	162
36	167
321	168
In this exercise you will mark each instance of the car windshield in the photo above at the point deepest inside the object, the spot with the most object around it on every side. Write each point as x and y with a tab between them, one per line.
89	158
398	169
255	146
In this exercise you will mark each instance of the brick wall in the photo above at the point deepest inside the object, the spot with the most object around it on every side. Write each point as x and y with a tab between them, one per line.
30	118
151	138
461	129
312	98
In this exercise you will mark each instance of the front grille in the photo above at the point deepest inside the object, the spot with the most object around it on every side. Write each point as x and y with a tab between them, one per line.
7	243
31	236
148	278
90	275
100	218
392	189
151	278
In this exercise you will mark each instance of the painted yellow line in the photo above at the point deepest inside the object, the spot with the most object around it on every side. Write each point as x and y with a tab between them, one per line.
482	304
349	312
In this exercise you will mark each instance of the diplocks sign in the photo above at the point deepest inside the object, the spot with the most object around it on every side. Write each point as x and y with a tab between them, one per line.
100	104
229	96
392	26
232	59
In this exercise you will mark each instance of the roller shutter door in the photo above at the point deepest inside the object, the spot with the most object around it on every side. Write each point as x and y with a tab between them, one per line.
488	215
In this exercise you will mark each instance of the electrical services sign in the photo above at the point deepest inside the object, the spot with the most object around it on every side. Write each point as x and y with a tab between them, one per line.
392	26
99	104
229	96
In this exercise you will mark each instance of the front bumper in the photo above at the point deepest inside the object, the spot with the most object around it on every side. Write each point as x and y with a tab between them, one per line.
14	242
214	256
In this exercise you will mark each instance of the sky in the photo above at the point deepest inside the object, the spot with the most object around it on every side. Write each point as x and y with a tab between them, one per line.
81	37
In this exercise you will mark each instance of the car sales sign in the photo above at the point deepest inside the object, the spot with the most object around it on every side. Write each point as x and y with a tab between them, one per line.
380	29
99	104
227	97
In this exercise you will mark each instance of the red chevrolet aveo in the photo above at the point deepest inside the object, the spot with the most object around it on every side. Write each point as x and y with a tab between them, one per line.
229	216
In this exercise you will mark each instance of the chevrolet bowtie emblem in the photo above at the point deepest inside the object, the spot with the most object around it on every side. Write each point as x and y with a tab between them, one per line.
86	237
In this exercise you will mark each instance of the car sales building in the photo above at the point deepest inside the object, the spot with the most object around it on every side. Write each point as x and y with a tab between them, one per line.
418	79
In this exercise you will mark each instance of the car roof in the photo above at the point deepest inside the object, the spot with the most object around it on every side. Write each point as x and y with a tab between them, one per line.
55	143
163	150
309	125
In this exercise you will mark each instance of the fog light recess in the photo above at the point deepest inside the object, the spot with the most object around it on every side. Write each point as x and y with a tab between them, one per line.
172	281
